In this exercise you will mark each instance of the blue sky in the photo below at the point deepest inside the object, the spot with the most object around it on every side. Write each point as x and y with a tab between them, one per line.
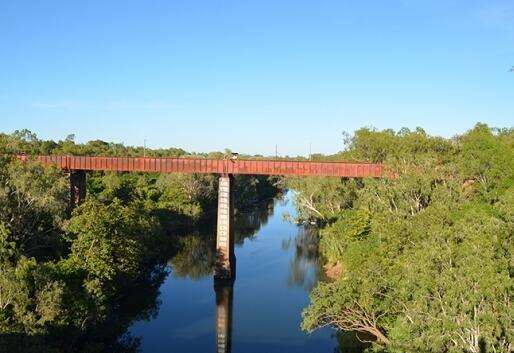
249	74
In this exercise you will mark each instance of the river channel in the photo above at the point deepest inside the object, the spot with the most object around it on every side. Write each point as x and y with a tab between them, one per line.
276	270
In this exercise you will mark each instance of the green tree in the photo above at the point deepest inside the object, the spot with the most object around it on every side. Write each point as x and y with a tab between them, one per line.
426	255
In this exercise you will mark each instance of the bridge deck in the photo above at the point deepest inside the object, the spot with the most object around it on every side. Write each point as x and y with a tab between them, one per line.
216	166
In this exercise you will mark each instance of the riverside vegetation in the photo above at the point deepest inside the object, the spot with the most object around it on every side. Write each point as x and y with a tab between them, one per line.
421	262
66	275
425	258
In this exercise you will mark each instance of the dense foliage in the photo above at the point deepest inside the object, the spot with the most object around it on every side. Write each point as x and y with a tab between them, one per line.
66	275
427	255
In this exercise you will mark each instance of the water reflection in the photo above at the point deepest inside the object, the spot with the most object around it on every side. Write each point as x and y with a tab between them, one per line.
305	268
224	294
139	302
248	224
277	268
195	254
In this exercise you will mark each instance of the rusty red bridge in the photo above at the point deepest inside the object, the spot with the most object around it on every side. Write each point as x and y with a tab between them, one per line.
77	166
214	166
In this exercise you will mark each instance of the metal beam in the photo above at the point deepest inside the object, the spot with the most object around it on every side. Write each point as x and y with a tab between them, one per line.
213	166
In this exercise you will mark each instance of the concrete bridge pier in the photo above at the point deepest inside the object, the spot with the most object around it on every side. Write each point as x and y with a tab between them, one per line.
77	187
225	266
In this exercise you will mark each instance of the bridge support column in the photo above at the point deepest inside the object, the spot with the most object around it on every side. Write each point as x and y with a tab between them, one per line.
225	266
224	293
77	187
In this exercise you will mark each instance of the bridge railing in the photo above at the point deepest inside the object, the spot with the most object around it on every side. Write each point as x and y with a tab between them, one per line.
217	166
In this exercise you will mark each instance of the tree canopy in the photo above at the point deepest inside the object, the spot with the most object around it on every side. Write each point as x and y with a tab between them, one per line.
65	273
427	257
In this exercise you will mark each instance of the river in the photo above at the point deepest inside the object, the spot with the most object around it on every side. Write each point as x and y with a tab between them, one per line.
276	269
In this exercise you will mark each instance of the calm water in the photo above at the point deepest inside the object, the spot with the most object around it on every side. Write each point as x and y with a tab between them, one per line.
276	269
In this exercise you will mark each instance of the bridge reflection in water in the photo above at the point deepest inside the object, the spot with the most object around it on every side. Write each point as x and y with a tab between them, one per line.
224	294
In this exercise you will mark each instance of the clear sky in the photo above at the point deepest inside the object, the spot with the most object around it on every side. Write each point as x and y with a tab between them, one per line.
249	74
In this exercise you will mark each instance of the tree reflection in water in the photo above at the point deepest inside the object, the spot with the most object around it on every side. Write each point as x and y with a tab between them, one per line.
194	255
304	269
140	302
195	252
